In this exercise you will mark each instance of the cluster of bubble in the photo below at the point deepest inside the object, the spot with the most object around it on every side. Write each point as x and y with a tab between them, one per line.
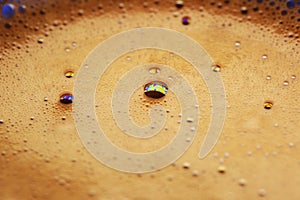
9	10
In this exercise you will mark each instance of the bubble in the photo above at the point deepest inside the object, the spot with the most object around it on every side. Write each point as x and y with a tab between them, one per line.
80	12
216	68
285	83
268	105
66	98
186	165
262	192
268	77
155	89
222	169
264	57
290	4
291	144
179	3
8	10
40	41
22	9
242	182
121	5
195	173
154	70
69	74
244	10
237	44
190	120
293	77
186	20
1	121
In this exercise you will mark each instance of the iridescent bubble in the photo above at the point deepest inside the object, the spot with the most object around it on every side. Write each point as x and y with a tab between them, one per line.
290	4
155	89
186	20
8	10
22	9
66	98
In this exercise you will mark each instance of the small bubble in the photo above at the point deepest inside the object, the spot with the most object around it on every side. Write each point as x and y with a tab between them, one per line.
264	57
190	120
22	9
293	77
45	99
121	5
92	193
66	98
216	68
285	83
244	10
63	117
221	169
242	182
40	40
186	165
186	20
268	105
1	121
179	3
80	12
69	74
262	192
268	77
237	44
154	70
291	144
226	154
74	44
195	173
67	50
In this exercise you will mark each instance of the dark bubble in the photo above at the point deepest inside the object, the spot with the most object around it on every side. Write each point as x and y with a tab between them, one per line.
66	98
22	9
186	20
290	4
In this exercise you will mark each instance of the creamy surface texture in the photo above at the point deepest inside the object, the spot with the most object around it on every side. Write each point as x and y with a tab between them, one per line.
255	47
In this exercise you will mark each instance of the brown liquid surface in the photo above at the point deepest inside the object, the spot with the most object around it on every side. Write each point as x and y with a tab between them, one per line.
43	157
